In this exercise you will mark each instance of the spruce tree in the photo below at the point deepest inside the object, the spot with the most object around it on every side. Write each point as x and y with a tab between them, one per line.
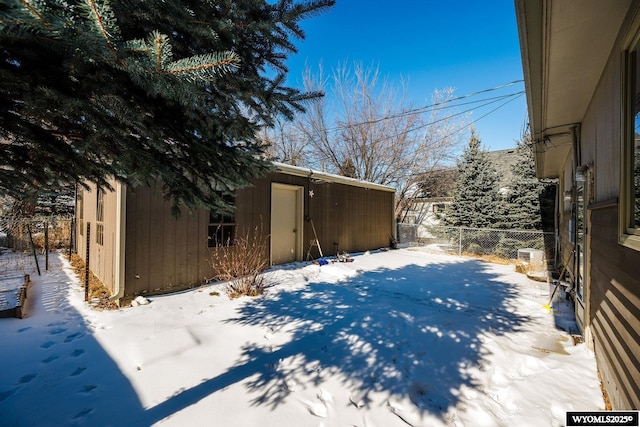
160	90
522	202
476	202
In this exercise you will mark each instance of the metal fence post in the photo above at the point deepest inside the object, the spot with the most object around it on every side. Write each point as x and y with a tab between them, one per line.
33	248
46	246
86	264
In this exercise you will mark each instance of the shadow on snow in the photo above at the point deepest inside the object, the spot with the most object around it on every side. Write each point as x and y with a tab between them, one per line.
379	331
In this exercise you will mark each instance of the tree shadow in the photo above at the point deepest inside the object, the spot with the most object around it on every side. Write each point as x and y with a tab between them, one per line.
377	332
54	372
411	333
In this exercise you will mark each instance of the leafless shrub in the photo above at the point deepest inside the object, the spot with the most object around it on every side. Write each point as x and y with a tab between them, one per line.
240	263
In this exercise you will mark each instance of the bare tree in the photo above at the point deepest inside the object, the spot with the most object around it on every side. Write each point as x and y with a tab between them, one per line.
285	142
367	129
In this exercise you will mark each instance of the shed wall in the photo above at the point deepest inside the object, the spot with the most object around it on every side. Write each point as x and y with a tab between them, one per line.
101	256
165	253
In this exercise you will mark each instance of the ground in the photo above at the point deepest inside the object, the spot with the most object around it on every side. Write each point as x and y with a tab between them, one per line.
395	338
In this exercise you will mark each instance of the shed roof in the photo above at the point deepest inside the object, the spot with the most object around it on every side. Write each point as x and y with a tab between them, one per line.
329	177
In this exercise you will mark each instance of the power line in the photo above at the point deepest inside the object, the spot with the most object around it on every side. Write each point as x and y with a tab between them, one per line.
443	104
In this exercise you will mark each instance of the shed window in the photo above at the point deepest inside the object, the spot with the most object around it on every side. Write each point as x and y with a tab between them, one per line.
81	211
100	218
222	226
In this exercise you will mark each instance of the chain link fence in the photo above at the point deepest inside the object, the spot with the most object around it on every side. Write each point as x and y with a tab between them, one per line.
501	243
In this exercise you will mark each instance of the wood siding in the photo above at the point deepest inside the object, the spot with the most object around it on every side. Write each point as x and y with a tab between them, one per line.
164	253
101	256
615	309
613	287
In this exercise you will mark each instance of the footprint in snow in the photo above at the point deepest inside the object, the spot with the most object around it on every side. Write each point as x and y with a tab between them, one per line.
27	378
83	413
47	344
320	409
58	323
78	371
5	394
325	396
50	358
24	329
57	331
88	389
77	353
357	399
74	336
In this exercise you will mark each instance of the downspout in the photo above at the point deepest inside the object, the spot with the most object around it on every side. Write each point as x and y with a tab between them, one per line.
120	235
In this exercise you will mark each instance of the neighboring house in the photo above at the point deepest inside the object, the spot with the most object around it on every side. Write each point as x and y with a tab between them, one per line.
581	63
138	247
427	197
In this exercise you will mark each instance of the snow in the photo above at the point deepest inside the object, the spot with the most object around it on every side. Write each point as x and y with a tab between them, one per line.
395	338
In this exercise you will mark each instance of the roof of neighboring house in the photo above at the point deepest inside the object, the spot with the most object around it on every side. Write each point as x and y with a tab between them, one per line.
329	177
503	160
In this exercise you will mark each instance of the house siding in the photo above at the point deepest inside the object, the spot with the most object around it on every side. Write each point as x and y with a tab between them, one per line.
613	269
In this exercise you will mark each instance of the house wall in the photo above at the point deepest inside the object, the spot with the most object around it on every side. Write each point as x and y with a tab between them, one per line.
101	257
165	253
613	269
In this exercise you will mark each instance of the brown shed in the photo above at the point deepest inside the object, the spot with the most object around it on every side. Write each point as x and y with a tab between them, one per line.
137	247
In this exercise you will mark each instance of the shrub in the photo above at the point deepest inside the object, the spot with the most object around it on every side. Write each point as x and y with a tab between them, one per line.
240	262
507	248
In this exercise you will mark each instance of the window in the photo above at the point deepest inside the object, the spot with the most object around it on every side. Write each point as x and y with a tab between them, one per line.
81	210
630	150
222	226
100	218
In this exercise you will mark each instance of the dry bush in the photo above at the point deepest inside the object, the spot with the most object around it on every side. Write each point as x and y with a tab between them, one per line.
97	289
241	262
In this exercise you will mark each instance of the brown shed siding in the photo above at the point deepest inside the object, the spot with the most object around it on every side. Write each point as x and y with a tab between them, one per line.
165	253
346	218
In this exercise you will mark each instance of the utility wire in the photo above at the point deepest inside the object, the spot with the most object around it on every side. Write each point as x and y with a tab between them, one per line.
443	104
510	97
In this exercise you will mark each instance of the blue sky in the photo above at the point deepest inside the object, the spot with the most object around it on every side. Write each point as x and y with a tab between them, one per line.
432	44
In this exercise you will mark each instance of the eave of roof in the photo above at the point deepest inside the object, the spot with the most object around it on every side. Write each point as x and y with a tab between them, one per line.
329	177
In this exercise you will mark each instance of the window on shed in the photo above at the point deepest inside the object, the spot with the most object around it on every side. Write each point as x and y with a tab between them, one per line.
222	226
100	218
81	210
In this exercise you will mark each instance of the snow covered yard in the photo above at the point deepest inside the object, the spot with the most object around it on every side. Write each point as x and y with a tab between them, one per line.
393	339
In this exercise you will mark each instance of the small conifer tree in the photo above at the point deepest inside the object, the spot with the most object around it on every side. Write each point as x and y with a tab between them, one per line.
522	202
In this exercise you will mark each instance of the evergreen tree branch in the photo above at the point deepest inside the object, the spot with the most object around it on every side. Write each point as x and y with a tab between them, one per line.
35	13
101	25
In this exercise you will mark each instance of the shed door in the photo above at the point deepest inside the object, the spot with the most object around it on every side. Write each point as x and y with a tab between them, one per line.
286	223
